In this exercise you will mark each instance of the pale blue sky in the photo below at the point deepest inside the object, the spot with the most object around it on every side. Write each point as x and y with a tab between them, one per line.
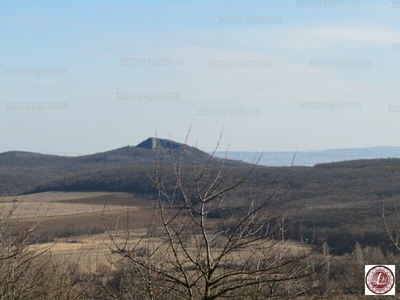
86	38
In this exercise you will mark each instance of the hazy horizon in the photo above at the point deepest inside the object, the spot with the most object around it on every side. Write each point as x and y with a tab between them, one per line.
299	157
219	149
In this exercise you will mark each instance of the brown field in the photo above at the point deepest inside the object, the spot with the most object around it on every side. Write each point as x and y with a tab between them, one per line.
73	205
54	196
91	251
75	214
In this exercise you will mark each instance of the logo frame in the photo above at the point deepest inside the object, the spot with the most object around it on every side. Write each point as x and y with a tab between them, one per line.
380	280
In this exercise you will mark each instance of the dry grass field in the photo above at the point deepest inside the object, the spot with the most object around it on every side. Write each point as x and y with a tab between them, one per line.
84	230
76	213
90	251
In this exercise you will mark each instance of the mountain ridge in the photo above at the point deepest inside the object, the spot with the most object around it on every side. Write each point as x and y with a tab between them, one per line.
21	171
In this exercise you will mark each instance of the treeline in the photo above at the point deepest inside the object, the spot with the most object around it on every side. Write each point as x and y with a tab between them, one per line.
341	200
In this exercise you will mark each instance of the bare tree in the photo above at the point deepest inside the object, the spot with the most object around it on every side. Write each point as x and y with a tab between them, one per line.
211	246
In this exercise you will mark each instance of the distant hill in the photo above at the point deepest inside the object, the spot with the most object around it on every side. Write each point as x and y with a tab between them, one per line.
22	171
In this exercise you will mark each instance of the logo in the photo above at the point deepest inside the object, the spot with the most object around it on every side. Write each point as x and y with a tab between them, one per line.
379	280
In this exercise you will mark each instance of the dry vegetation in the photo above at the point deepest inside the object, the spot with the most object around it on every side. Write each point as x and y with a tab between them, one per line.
188	242
104	265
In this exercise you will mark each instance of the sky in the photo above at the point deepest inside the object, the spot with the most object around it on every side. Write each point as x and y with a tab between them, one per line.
89	76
